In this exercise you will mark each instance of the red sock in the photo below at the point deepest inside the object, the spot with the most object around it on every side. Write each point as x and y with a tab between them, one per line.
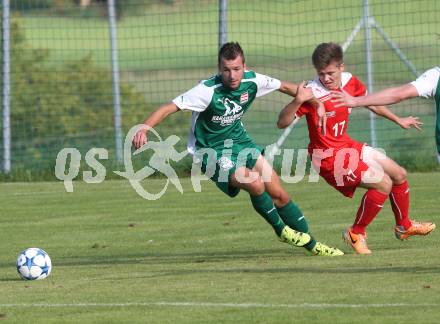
399	198
372	202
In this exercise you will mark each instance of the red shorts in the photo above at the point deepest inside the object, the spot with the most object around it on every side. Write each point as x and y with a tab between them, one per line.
342	168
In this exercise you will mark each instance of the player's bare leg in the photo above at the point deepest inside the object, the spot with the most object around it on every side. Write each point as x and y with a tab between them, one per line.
376	158
272	182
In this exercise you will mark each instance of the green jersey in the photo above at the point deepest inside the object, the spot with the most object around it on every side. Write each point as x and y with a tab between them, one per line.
217	110
428	86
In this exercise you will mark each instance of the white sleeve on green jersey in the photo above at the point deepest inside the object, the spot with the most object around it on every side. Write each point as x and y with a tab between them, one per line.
426	84
266	84
195	99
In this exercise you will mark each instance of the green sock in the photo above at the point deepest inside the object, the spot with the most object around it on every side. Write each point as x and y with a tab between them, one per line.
263	204
294	218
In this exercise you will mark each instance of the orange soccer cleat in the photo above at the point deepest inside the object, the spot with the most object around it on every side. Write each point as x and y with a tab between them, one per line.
357	241
417	228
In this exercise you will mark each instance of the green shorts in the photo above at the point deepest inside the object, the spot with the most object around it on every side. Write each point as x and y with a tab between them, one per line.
220	163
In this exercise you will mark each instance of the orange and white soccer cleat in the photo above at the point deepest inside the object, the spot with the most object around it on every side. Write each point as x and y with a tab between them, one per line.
357	241
417	228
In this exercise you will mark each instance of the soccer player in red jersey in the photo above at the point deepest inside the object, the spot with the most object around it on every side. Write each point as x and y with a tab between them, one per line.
347	164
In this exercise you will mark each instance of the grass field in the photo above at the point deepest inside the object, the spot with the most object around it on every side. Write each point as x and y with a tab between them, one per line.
205	258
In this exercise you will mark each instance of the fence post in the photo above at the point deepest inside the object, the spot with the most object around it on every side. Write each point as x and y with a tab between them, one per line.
115	78
369	64
6	88
222	23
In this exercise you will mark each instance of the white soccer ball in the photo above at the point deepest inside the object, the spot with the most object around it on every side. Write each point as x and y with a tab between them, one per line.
34	264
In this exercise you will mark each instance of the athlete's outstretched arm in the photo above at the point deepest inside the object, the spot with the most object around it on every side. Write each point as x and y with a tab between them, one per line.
406	122
385	97
155	118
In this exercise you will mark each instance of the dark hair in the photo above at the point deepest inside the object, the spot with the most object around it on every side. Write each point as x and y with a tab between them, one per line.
326	53
230	51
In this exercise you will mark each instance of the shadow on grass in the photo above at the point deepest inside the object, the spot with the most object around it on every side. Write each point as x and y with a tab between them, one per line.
16	278
239	256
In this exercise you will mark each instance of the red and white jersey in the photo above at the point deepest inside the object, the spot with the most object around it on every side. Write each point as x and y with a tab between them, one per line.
337	118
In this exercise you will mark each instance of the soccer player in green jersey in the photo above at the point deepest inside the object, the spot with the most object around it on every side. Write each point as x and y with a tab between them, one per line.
427	86
217	105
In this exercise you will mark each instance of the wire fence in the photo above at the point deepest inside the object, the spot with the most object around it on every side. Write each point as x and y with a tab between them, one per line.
83	72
